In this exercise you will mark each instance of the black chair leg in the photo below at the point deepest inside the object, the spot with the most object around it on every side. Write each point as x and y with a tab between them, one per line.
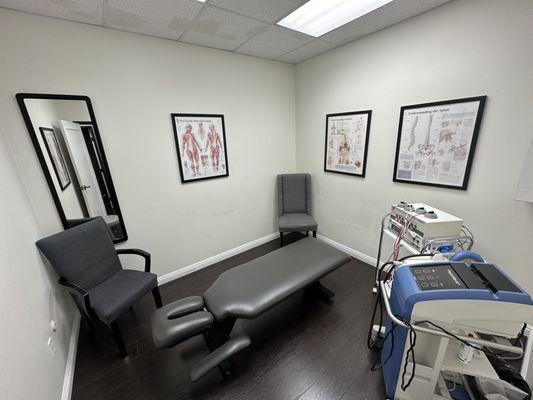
281	239
118	338
314	234
306	233
157	297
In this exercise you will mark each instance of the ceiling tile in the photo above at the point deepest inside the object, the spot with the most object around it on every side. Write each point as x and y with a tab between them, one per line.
221	29
308	50
271	11
273	42
163	18
387	15
75	10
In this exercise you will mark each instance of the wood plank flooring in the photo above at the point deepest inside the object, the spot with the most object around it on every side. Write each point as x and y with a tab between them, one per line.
299	351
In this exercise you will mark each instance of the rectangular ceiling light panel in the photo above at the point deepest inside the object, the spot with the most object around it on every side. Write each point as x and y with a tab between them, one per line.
317	17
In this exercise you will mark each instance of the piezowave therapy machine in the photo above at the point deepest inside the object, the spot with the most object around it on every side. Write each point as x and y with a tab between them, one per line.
439	303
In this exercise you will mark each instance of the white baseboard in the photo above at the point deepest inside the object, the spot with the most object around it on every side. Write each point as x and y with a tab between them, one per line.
348	250
68	380
214	259
250	245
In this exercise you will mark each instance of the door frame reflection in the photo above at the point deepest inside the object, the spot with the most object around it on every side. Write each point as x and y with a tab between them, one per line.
21	97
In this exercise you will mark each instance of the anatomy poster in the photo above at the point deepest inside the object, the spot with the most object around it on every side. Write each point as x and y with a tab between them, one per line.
436	142
201	146
347	142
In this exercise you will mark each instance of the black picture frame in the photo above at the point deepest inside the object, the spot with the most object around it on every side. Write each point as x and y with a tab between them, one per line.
366	135
53	161
471	149
183	177
21	97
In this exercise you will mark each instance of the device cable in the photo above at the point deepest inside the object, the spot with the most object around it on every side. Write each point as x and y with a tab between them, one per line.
410	351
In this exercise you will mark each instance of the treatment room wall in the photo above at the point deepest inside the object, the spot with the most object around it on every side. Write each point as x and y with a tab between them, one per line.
135	82
464	48
29	299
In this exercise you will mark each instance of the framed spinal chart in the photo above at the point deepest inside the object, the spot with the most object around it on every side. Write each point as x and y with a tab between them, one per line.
201	146
346	145
436	142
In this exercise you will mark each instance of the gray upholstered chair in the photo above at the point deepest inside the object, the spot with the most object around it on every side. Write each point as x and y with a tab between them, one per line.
294	205
89	268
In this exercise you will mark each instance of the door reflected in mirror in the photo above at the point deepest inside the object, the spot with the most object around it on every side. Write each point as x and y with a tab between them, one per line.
66	138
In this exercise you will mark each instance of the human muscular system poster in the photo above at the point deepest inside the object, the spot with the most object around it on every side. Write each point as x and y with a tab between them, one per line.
201	146
347	142
436	142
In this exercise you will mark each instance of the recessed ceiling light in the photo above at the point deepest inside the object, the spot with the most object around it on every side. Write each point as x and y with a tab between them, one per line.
202	1
317	17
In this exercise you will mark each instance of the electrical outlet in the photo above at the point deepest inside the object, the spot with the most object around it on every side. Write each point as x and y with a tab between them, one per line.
51	346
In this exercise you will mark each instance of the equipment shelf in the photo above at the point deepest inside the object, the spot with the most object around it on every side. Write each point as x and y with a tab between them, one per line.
479	366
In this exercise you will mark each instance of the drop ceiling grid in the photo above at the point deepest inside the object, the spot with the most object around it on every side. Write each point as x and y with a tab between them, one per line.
167	18
241	26
216	27
270	11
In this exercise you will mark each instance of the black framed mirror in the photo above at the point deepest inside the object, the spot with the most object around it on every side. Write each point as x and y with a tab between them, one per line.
66	137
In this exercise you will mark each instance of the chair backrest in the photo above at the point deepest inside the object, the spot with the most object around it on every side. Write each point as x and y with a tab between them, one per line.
294	193
85	254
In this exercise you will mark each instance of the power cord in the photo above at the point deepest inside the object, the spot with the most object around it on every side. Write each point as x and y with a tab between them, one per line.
410	351
371	344
412	343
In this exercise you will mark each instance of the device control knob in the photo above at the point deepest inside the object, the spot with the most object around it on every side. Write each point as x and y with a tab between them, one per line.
431	215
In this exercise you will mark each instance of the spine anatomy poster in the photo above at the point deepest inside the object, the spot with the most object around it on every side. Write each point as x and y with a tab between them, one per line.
436	142
201	146
347	142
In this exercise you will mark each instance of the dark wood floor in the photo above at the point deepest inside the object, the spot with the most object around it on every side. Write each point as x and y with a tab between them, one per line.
299	351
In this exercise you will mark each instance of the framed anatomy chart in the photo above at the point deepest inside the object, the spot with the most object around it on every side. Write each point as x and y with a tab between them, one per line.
436	142
347	142
201	146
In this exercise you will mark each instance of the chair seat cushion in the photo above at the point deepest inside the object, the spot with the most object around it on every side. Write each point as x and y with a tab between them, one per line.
296	222
111	297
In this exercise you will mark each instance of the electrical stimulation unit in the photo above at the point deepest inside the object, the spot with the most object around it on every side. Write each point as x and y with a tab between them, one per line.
426	223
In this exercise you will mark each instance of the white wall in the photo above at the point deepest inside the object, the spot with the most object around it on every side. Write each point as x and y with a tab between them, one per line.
29	299
135	82
464	48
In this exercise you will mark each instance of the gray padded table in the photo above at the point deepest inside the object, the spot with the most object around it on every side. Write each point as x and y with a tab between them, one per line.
250	289
245	292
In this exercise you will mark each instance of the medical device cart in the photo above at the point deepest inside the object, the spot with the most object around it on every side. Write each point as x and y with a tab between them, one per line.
492	305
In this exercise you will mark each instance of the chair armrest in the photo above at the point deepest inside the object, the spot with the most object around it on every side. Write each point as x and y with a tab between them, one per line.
138	252
79	293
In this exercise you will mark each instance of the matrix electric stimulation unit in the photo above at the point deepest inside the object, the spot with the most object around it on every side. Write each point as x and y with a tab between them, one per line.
423	223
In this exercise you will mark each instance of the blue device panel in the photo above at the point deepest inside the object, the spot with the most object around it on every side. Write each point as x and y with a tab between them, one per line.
445	281
436	278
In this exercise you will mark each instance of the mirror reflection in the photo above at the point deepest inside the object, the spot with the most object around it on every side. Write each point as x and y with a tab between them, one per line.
66	137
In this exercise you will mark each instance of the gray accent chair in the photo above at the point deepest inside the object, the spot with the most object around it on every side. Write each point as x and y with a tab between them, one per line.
294	205
89	268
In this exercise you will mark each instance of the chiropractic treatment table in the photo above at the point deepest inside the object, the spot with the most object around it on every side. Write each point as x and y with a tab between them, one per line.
246	292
